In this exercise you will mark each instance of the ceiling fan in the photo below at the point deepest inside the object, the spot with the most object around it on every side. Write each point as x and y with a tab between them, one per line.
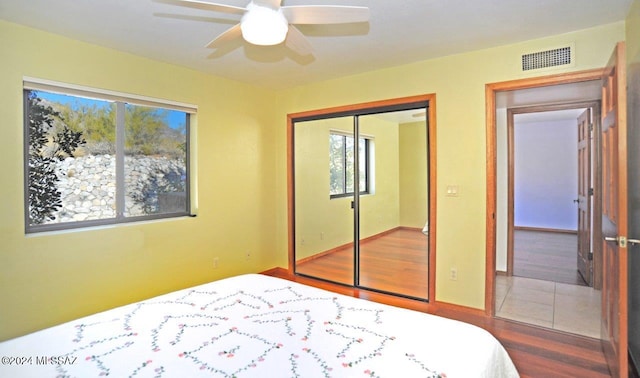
266	22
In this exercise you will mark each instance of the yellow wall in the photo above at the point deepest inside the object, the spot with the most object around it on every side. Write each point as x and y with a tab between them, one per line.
380	211
459	82
50	278
413	174
633	33
323	223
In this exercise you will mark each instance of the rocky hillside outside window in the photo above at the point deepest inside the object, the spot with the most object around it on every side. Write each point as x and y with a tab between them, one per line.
341	165
94	158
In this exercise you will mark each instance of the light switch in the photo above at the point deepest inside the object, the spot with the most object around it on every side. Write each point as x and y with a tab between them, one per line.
452	190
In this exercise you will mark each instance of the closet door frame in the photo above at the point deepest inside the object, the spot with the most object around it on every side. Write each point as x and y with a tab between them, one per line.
429	102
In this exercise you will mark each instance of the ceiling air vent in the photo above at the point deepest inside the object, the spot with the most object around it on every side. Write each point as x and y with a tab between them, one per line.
544	59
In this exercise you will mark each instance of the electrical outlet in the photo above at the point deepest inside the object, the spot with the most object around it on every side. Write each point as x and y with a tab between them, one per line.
301	241
453	275
216	262
322	236
248	255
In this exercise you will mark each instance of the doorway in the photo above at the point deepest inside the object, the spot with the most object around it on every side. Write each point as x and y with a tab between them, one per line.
611	197
549	263
529	96
362	195
551	192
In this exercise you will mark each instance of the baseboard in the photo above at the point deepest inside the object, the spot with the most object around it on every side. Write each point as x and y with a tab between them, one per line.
501	273
409	228
540	229
440	306
275	271
432	307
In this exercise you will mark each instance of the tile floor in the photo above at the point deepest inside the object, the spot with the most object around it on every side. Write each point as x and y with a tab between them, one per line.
564	307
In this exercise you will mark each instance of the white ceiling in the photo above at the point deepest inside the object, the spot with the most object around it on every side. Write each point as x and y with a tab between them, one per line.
399	32
551	116
573	92
554	94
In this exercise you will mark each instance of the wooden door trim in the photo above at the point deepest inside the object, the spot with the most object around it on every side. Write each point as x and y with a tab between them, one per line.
490	118
432	174
511	112
616	351
596	210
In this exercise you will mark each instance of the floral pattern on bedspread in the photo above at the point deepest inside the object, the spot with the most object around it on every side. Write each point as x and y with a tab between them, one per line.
272	328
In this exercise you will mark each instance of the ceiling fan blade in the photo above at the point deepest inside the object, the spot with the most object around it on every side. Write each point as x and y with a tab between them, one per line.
205	5
227	36
325	14
297	42
268	3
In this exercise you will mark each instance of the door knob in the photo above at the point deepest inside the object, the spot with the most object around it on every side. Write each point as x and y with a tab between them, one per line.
576	200
622	241
611	239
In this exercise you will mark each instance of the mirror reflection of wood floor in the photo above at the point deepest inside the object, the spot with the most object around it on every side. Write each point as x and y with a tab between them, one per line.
394	261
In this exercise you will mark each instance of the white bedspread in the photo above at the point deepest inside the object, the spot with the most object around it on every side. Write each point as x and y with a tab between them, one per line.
257	326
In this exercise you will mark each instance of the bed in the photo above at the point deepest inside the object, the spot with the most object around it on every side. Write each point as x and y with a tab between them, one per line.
257	326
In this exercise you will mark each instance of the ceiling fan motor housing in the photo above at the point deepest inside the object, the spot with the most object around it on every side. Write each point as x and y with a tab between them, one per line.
264	26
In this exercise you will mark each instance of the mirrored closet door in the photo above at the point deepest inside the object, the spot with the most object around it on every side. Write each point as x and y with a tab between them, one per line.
324	179
393	247
361	190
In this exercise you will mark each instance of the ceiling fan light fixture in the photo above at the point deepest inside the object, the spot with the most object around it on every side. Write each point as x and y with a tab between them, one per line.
263	26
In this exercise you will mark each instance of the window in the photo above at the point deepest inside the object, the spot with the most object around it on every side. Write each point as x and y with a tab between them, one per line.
99	158
341	165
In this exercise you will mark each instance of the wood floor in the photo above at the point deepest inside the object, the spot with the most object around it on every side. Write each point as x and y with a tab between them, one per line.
381	266
536	352
548	256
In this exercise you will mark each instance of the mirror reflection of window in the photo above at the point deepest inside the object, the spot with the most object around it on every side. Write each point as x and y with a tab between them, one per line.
342	164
